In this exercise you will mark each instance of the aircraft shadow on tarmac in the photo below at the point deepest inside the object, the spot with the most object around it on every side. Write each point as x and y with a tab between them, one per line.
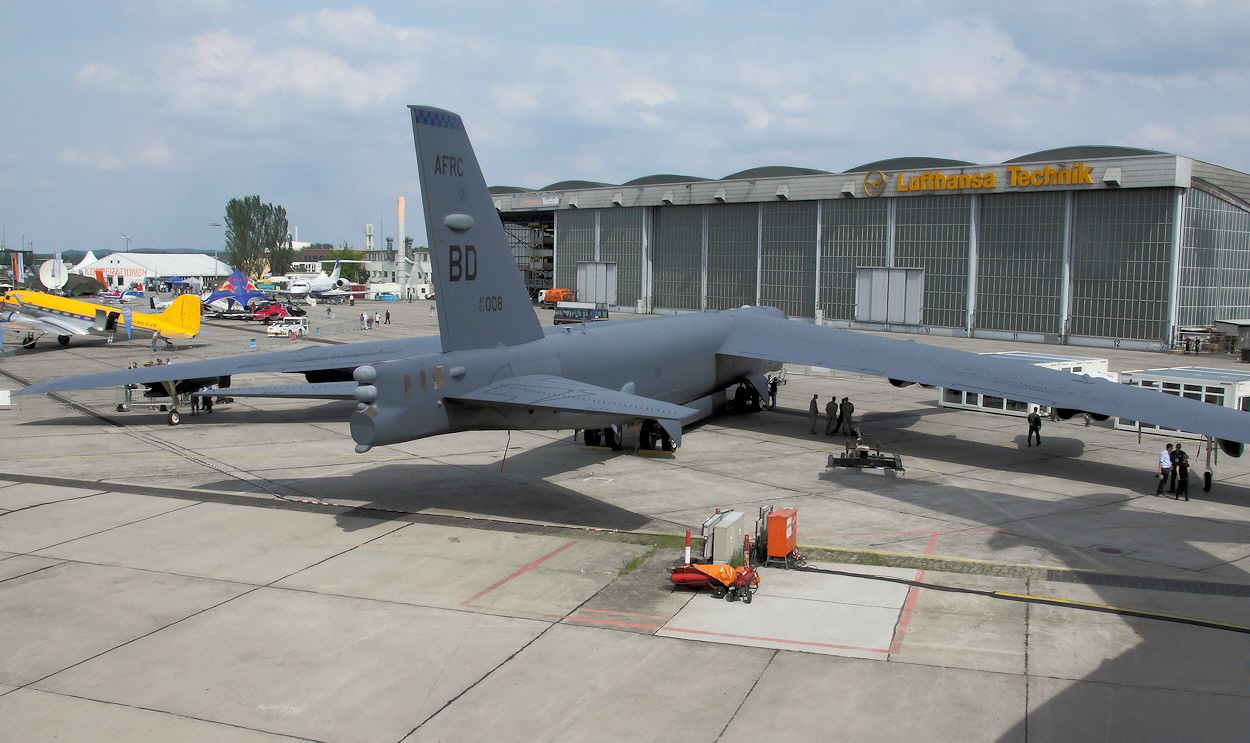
1129	696
519	492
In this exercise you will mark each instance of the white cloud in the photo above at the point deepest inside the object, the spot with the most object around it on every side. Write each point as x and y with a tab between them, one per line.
101	159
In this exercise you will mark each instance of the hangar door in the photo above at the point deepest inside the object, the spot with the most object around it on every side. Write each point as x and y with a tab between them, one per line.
889	295
596	282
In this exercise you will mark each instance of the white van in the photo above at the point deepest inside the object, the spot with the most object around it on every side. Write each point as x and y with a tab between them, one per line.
288	325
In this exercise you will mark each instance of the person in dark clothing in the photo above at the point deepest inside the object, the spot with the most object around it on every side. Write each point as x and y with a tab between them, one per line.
845	412
831	416
1180	471
387	321
1035	427
772	392
1181	478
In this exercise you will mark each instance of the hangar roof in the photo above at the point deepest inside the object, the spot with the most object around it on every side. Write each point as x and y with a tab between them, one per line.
772	171
909	163
661	179
1083	152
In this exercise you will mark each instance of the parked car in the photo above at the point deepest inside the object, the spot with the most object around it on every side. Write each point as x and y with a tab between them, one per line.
288	325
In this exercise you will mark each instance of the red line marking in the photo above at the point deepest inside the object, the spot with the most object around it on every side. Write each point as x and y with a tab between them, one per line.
775	639
520	571
904	617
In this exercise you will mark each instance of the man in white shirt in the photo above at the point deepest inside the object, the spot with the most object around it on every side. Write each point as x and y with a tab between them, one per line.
1165	468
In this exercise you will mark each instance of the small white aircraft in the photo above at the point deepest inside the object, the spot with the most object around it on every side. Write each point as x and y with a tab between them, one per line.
331	285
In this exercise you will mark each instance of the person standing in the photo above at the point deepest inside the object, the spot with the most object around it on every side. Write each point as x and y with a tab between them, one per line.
1165	468
831	415
813	409
388	318
772	392
377	319
846	413
1176	456
1035	426
1181	470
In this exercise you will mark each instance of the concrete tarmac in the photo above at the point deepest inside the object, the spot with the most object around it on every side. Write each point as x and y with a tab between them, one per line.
245	576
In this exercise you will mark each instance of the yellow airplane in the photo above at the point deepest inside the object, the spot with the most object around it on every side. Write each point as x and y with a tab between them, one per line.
40	314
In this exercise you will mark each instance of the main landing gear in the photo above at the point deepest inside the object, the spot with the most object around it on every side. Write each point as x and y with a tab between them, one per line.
602	437
654	437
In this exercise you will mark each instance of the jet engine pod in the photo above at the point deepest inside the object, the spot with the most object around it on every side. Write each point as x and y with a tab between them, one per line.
1099	417
1065	413
1231	448
900	382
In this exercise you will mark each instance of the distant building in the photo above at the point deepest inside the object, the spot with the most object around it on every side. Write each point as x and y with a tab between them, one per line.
123	270
1101	246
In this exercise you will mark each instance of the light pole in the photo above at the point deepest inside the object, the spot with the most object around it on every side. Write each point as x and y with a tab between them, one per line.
127	239
215	262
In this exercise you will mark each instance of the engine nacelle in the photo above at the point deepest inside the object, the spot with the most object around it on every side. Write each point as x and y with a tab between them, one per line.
1065	413
900	382
1231	448
343	284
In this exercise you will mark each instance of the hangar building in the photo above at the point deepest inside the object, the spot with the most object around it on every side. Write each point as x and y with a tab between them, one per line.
1090	245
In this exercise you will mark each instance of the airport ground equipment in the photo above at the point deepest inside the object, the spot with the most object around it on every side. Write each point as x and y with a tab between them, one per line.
724	581
723	535
865	456
776	538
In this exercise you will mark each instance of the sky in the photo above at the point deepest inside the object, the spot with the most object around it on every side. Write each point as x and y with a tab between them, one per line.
144	118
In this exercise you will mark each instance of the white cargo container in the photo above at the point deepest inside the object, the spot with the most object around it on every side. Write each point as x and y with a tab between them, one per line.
1227	387
953	398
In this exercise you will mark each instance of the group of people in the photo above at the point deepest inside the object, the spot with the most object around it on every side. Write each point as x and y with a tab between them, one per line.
1174	472
838	416
157	362
369	322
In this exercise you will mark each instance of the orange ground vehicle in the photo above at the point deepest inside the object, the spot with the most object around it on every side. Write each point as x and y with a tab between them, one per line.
548	297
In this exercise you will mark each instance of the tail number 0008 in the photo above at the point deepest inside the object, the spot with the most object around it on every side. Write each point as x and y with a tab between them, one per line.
490	304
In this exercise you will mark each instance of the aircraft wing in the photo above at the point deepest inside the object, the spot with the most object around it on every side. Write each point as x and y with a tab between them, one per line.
760	336
550	392
313	391
309	358
41	323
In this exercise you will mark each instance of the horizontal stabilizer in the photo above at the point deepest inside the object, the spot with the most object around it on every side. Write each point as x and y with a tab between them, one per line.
549	392
318	390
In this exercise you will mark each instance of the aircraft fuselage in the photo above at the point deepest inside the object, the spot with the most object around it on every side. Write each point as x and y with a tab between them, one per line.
673	360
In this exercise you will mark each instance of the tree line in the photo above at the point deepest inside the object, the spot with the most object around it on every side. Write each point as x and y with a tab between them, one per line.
258	238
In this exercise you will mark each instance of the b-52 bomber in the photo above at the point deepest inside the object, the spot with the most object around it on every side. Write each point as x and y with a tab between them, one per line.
493	366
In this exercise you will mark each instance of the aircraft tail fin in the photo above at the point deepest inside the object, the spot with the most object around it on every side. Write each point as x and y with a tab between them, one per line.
482	301
183	315
334	275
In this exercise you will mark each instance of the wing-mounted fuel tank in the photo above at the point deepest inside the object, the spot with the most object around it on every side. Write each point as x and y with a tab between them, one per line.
397	401
1231	448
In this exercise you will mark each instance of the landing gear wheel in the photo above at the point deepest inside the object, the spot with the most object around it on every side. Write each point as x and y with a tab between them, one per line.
610	439
174	418
591	437
1206	482
63	340
28	342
